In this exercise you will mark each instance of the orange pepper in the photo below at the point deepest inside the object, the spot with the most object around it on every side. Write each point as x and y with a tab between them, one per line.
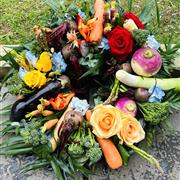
61	101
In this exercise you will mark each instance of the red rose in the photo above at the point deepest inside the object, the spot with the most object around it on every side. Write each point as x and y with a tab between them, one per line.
129	15
120	42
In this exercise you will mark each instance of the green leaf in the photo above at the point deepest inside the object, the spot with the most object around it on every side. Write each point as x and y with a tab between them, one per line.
4	112
57	170
16	151
157	13
146	13
37	164
62	165
43	151
12	140
130	5
10	59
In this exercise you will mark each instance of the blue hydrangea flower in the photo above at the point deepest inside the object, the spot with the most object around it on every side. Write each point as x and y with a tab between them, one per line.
79	105
152	42
82	14
58	62
22	72
31	58
156	94
104	44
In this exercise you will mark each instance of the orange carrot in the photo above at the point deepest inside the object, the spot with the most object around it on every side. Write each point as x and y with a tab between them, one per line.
49	124
33	113
47	113
88	114
110	152
97	32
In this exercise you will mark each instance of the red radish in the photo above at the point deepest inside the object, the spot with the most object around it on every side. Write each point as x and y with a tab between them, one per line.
127	105
146	62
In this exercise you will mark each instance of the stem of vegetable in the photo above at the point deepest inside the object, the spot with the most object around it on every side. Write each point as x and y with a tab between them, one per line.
124	153
146	156
114	93
143	82
57	170
16	151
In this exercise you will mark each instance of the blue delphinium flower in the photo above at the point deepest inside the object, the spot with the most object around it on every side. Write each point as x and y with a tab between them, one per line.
58	62
104	44
156	94
79	105
22	72
82	14
31	58
152	42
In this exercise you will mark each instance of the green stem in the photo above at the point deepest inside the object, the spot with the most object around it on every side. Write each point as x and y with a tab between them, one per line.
114	92
57	170
146	156
16	151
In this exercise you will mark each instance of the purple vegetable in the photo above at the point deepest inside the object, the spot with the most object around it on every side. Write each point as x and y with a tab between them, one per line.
146	62
127	105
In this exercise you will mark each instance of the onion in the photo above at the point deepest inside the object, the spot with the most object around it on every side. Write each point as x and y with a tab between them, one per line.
127	105
141	94
146	62
126	67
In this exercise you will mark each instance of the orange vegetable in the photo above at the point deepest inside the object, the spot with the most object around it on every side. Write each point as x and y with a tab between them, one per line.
97	31
33	113
110	152
49	124
88	114
61	101
47	113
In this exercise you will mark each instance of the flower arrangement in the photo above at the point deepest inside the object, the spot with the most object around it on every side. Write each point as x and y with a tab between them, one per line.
93	84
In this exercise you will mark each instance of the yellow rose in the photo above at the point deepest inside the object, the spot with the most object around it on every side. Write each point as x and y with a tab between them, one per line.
35	79
44	63
106	121
131	131
130	25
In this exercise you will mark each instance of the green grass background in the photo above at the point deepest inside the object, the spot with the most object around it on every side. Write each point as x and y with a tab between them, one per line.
19	16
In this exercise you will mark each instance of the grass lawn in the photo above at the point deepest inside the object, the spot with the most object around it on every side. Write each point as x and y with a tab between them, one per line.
19	16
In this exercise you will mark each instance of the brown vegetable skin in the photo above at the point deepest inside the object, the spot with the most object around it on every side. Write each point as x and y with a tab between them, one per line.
126	67
58	125
141	94
97	32
110	152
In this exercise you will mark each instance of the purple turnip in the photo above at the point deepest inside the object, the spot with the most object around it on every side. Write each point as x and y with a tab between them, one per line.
127	105
146	62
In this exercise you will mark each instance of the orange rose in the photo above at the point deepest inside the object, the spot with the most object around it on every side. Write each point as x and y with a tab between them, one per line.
106	121
131	131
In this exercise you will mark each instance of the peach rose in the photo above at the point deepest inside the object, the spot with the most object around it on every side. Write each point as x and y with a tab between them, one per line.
106	121
131	131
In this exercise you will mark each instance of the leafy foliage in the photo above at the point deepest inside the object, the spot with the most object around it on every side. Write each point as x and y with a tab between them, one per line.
168	54
147	14
32	135
154	113
173	98
64	10
16	86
